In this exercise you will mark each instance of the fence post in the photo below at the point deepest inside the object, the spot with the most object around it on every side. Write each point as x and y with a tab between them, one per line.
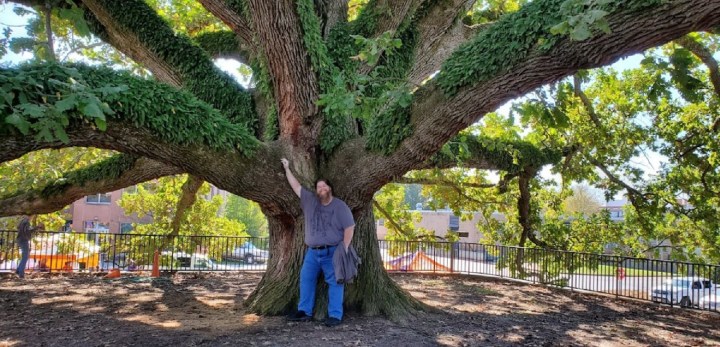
617	277
452	257
672	278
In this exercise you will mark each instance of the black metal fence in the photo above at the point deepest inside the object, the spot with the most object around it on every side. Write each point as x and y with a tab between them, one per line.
676	283
70	252
670	282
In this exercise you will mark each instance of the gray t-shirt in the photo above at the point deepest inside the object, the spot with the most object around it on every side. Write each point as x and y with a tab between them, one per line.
324	225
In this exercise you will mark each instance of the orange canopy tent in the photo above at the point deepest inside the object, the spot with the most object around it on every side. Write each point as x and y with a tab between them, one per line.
415	262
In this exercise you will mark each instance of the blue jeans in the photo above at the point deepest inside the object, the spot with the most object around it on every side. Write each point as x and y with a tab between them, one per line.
25	249
316	260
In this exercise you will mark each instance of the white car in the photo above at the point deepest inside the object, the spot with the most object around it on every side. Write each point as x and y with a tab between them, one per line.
686	291
185	261
710	302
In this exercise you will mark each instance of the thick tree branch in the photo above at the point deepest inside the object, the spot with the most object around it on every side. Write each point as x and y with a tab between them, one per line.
187	199
484	153
48	30
331	13
391	13
229	171
233	18
525	211
294	82
165	125
437	117
223	44
109	175
133	27
577	86
440	32
441	182
706	56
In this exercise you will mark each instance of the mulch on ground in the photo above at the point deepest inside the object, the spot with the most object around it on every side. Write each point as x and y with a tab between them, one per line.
207	310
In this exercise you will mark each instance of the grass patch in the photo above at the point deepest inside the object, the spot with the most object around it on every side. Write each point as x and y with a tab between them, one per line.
610	270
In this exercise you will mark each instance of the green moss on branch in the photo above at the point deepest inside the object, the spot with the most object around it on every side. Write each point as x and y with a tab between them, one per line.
63	93
200	76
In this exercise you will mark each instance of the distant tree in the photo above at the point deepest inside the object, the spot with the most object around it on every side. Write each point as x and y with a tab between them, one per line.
583	201
248	213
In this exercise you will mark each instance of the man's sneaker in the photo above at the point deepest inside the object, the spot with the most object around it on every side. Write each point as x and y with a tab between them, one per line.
332	322
299	316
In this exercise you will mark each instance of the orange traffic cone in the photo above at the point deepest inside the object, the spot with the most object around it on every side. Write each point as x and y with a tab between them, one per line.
114	273
156	264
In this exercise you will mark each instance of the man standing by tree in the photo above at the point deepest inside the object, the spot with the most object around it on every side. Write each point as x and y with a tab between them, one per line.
23	239
328	223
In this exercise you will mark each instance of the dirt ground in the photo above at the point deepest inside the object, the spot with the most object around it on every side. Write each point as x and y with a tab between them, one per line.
207	310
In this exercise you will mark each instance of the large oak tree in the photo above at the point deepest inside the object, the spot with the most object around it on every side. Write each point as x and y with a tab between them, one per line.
342	99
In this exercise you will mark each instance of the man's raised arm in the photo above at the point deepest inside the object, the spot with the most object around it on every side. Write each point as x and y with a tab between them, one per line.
290	177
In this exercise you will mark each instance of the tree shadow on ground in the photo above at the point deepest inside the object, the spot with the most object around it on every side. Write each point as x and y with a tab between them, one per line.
191	309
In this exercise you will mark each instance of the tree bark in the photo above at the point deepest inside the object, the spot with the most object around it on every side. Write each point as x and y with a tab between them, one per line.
189	195
441	31
237	23
294	82
331	13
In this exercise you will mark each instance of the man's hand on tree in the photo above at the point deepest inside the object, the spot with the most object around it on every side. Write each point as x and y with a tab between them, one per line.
285	163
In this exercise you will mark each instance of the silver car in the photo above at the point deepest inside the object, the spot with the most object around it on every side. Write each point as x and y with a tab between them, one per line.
248	253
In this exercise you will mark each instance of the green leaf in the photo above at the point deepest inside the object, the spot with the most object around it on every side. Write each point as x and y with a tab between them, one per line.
19	122
92	110
61	135
580	33
101	124
8	96
560	28
67	103
595	15
603	25
33	110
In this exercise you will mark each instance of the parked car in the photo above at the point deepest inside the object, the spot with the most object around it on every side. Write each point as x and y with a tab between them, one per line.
185	261
686	291
710	302
112	261
487	257
248	253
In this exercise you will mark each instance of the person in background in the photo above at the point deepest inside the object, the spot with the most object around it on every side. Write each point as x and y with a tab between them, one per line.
24	236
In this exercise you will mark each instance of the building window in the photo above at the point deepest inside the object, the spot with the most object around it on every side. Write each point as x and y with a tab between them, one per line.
98	199
454	223
93	226
463	234
125	228
130	190
381	222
